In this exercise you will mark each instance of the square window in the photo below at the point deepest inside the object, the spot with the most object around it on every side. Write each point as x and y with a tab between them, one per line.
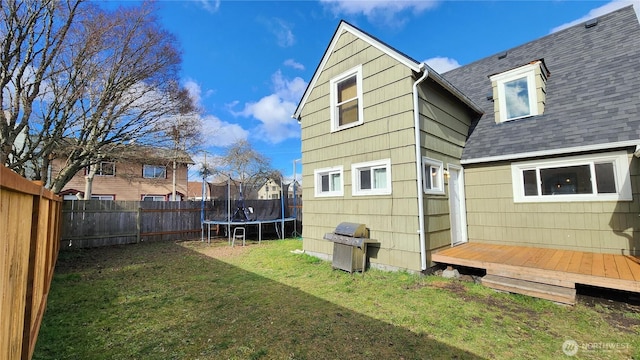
433	176
517	91
371	178
154	172
346	99
106	168
328	181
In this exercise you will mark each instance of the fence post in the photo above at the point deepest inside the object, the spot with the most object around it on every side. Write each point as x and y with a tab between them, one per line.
138	216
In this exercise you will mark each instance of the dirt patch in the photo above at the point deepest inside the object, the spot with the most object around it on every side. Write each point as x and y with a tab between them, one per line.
455	287
218	249
618	308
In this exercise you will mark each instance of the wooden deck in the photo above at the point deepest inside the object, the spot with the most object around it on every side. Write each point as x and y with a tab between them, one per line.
549	266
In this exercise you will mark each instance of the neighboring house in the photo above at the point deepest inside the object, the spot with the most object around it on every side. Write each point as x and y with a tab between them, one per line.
533	148
294	190
379	130
195	190
143	173
270	190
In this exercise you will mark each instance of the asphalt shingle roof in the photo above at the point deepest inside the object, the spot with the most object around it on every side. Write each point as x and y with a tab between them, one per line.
593	92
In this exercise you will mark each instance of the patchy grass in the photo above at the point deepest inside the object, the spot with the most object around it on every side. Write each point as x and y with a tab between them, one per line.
194	301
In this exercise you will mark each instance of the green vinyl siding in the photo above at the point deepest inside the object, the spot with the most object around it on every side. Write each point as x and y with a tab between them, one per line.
601	227
444	125
387	133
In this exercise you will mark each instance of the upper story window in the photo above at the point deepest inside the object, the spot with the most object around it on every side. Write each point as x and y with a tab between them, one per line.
328	181
106	168
154	172
520	92
371	178
603	177
103	168
346	99
432	176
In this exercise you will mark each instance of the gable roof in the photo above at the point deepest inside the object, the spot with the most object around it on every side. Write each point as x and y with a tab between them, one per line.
592	94
412	64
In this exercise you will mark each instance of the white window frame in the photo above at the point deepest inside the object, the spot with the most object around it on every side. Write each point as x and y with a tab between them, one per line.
439	165
317	175
100	172
528	71
620	161
103	197
333	83
356	189
154	197
144	175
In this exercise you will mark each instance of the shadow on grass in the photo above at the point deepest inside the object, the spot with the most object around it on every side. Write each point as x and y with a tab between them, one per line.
163	301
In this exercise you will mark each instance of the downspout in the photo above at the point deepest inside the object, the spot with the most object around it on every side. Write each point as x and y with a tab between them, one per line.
416	127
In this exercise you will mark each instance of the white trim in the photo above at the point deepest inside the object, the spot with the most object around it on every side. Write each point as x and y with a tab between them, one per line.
103	197
333	95
526	71
398	56
463	205
439	189
355	179
99	170
317	173
561	151
620	160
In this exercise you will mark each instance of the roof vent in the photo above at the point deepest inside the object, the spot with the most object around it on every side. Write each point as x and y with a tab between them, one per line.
591	23
503	55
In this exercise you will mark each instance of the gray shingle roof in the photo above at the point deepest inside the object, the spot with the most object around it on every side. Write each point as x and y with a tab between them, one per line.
593	92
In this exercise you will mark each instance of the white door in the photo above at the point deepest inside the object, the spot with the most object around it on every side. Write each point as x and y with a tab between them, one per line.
457	211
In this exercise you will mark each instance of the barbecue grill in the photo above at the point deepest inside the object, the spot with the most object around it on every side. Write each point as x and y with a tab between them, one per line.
349	246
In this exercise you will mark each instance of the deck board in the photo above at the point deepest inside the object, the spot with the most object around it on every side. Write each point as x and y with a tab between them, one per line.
624	271
553	266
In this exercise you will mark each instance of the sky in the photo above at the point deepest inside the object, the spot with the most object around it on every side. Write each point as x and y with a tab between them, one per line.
247	63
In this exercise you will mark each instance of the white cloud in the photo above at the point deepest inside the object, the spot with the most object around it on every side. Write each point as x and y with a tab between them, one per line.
282	31
195	92
274	111
210	6
442	64
218	133
292	63
378	10
604	9
289	90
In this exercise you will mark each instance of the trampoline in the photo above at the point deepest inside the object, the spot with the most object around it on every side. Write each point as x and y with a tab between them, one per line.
247	213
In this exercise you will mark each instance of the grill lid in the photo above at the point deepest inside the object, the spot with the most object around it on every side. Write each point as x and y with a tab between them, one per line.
352	230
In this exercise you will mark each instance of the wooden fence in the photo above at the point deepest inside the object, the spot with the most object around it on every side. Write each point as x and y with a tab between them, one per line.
29	243
96	223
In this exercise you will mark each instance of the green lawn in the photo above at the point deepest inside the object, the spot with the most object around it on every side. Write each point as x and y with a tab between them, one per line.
190	300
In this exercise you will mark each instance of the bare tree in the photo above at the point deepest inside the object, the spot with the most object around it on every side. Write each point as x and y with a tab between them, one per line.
33	33
245	167
111	81
184	130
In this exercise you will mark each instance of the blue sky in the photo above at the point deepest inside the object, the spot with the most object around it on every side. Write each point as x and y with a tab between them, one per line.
247	63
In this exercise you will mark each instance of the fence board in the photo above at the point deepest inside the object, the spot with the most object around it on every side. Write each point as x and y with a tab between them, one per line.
94	223
30	224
